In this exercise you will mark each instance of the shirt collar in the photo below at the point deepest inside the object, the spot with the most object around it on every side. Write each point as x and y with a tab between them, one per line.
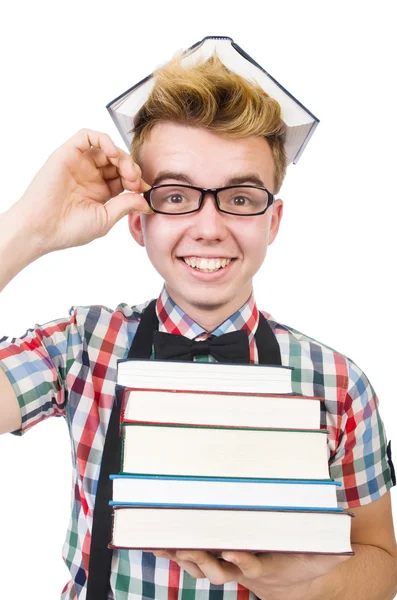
173	319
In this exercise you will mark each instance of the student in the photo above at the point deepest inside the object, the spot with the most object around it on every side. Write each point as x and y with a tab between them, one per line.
207	258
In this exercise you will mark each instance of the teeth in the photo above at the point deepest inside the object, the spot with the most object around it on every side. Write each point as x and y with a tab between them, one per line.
208	265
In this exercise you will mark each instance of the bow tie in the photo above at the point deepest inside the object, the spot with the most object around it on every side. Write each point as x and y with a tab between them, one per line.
230	347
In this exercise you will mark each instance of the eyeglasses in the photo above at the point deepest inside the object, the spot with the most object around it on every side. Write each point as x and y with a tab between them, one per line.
242	200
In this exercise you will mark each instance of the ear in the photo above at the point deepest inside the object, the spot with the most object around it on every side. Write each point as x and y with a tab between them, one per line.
135	226
276	219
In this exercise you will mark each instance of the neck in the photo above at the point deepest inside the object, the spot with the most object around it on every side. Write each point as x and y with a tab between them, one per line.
210	316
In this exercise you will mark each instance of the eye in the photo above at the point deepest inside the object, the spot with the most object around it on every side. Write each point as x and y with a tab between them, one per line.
240	200
175	198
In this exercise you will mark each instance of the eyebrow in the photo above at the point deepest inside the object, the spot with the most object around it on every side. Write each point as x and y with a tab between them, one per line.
163	175
239	179
246	178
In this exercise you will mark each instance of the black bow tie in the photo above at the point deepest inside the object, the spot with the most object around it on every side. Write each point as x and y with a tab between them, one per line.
230	347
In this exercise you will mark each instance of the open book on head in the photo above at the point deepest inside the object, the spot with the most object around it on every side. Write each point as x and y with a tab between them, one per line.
299	122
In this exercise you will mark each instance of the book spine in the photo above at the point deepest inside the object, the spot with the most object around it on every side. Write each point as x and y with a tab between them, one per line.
206	392
220	550
310	509
229	427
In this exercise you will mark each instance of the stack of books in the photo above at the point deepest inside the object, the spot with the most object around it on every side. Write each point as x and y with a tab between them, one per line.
222	457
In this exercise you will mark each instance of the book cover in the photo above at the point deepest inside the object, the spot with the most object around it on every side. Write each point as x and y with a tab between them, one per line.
299	122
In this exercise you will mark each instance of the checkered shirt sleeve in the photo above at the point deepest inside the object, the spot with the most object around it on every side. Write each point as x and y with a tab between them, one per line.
360	460
36	365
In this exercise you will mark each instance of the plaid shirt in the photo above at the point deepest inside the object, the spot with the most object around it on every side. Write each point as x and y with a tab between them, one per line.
68	368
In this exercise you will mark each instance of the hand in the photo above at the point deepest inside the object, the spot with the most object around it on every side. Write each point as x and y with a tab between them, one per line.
69	203
264	574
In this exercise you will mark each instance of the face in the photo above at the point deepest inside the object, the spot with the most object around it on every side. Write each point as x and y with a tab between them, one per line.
175	243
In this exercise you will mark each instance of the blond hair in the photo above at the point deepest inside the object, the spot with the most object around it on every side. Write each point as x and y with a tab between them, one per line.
211	96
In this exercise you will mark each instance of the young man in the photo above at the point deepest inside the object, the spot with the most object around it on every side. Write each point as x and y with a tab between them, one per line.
207	246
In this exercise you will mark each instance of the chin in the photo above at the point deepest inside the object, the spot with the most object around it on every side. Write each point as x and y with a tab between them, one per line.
207	304
207	300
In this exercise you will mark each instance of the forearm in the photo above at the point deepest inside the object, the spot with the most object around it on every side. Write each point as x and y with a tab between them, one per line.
371	574
18	245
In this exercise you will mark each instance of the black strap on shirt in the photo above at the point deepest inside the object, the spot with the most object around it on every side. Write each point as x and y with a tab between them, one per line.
98	585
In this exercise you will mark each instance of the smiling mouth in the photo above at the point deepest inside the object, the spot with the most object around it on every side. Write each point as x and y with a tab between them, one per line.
206	265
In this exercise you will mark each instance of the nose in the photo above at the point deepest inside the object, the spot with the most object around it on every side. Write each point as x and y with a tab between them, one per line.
208	223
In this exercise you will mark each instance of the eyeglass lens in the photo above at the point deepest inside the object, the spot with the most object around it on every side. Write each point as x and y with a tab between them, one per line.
179	199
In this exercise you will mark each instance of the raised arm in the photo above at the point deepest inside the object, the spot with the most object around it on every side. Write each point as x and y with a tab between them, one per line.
75	198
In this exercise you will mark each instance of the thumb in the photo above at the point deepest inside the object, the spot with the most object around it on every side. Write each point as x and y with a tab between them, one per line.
122	205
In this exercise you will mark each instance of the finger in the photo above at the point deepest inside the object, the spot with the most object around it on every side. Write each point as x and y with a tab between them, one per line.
135	186
251	565
124	167
125	156
217	571
130	172
122	205
188	566
97	156
127	168
161	554
138	168
109	172
191	568
117	186
145	187
84	139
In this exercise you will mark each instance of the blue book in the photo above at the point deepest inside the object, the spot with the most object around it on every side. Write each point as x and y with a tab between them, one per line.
211	492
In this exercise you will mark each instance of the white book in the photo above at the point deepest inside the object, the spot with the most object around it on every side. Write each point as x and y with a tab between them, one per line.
224	452
194	491
214	529
200	376
224	409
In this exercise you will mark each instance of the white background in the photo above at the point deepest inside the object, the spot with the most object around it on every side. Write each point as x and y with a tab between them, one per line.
331	271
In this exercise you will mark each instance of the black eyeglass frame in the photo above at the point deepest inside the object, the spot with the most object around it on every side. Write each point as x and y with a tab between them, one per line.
204	192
